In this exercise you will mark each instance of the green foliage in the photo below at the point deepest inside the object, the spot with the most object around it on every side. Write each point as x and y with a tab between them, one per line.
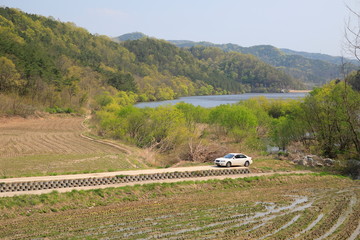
57	64
103	99
59	110
312	69
163	127
122	81
9	77
287	129
193	114
232	117
167	128
354	80
331	114
233	72
327	118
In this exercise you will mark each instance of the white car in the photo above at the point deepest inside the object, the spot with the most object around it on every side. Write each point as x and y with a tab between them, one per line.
233	159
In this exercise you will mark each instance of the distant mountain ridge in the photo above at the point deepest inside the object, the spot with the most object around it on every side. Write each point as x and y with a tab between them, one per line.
312	68
320	56
315	56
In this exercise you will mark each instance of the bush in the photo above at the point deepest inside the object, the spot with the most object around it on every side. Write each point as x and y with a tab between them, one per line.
352	168
55	109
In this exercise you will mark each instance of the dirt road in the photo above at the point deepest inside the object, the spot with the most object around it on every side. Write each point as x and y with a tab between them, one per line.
111	174
128	173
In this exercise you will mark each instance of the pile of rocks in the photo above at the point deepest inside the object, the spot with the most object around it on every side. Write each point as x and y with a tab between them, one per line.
314	161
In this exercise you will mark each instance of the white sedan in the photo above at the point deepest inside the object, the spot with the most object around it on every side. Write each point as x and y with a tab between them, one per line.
233	159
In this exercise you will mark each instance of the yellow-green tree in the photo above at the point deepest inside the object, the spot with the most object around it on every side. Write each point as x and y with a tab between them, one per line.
9	77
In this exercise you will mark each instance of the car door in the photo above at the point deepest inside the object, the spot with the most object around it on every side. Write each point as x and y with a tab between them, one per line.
242	159
237	160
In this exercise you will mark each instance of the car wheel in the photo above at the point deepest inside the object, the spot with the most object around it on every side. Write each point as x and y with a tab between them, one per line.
228	164
246	164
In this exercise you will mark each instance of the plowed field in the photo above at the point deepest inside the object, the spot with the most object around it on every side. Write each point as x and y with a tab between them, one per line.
55	145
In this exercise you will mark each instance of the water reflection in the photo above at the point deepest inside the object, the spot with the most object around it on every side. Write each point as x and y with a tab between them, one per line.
216	100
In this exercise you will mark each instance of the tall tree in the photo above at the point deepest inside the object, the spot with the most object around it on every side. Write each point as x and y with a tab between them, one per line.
9	76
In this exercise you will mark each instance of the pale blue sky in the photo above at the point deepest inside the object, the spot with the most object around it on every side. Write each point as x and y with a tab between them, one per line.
303	25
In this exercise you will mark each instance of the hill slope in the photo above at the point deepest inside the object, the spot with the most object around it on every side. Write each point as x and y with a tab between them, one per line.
52	63
320	56
312	68
231	71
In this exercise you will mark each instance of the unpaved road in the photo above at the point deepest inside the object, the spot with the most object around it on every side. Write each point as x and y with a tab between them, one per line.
135	172
111	174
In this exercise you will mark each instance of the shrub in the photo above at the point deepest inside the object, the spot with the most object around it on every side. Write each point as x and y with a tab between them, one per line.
55	109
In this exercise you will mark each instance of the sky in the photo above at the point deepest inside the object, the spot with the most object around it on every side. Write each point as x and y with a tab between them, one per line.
301	25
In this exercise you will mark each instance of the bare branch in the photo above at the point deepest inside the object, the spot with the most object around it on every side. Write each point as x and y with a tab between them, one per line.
352	34
352	11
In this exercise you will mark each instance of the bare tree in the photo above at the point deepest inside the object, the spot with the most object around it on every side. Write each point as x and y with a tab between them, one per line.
352	33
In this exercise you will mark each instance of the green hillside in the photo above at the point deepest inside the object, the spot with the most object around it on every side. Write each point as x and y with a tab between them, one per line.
320	56
311	68
49	63
233	72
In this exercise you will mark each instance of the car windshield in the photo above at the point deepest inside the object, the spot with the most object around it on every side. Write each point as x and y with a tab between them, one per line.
229	156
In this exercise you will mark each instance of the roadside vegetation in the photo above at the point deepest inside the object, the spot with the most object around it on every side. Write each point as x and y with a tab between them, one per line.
324	123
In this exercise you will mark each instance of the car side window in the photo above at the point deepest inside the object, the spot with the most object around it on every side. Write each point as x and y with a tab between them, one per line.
242	156
238	156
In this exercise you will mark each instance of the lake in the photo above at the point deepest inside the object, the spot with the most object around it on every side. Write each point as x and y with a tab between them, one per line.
216	100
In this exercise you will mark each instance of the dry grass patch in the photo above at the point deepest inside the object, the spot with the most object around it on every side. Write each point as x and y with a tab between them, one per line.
55	145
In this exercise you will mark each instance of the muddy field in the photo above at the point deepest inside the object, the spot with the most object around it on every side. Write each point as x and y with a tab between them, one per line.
55	145
278	207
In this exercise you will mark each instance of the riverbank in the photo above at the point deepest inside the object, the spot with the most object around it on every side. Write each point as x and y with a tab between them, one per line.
209	101
299	91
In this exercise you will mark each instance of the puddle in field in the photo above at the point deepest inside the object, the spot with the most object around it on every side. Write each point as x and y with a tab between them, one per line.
240	219
293	208
271	209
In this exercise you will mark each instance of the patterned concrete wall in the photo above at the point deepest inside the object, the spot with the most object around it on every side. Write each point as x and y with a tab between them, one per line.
39	185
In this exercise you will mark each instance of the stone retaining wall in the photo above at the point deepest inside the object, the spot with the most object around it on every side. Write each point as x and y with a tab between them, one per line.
40	185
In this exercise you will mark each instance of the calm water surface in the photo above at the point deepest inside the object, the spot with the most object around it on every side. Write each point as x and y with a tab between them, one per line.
216	100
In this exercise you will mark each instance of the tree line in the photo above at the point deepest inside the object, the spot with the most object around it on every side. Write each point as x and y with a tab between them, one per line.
326	123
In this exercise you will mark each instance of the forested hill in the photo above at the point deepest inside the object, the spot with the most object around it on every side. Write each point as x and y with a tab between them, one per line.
311	68
233	72
59	64
320	56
